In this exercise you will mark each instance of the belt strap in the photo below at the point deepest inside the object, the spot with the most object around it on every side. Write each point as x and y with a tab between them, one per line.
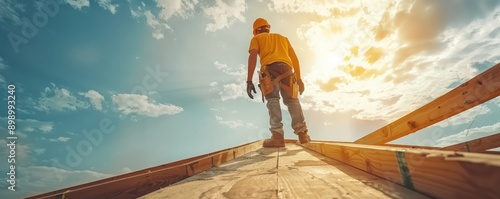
281	77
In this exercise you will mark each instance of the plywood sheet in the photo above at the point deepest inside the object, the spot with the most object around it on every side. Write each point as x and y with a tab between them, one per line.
297	173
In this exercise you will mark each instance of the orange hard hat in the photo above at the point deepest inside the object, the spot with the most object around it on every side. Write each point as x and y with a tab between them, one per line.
259	22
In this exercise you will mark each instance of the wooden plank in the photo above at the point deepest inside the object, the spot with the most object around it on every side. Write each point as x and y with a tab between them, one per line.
239	151
476	91
491	152
138	183
127	187
391	145
440	174
222	157
477	145
409	146
199	166
290	141
301	173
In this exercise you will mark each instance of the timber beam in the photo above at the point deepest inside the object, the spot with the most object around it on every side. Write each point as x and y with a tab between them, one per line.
439	174
477	145
476	91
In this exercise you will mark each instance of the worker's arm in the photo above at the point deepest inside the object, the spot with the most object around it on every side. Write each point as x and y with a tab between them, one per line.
295	61
296	68
252	62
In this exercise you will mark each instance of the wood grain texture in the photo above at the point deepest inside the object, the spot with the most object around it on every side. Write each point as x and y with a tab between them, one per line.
476	91
301	173
477	145
139	183
437	173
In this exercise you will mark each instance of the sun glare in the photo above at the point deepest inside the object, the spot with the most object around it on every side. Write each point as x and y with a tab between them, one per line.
327	63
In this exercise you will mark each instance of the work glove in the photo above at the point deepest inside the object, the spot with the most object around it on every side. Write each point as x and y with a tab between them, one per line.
250	88
301	86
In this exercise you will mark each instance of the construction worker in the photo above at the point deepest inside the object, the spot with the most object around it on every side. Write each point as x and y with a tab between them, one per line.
277	59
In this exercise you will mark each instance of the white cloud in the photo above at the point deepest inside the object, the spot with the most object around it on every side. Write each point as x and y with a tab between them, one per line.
95	99
140	105
134	13
137	9
154	23
2	79
234	123
58	100
2	66
158	35
78	4
158	21
106	4
46	127
11	12
151	19
60	139
233	91
21	134
496	101
126	170
466	117
30	125
216	109
237	72
467	135
322	8
225	14
381	68
235	88
170	8
39	151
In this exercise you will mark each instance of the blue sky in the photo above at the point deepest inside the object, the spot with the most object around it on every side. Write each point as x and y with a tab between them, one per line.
105	87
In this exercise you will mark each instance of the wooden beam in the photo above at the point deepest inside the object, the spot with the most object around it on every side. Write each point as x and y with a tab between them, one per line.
477	145
476	91
391	145
409	146
139	183
439	174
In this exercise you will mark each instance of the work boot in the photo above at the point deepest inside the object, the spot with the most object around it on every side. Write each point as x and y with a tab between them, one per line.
304	138
276	140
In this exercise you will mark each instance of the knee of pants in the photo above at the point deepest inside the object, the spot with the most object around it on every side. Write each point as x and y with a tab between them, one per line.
273	101
273	95
290	101
273	106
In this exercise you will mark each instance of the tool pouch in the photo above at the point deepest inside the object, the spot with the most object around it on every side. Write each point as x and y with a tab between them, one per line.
266	86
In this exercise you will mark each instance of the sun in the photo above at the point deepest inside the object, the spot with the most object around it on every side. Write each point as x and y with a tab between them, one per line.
327	63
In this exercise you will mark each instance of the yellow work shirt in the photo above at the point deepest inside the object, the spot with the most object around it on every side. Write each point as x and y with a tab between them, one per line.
273	47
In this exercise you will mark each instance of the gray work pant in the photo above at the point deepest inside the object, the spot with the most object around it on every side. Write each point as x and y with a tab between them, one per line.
273	103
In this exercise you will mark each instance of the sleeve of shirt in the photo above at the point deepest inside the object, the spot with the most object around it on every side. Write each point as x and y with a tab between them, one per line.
295	60
253	45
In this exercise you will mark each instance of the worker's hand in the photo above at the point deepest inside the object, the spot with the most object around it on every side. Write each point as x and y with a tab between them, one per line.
250	88
301	86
